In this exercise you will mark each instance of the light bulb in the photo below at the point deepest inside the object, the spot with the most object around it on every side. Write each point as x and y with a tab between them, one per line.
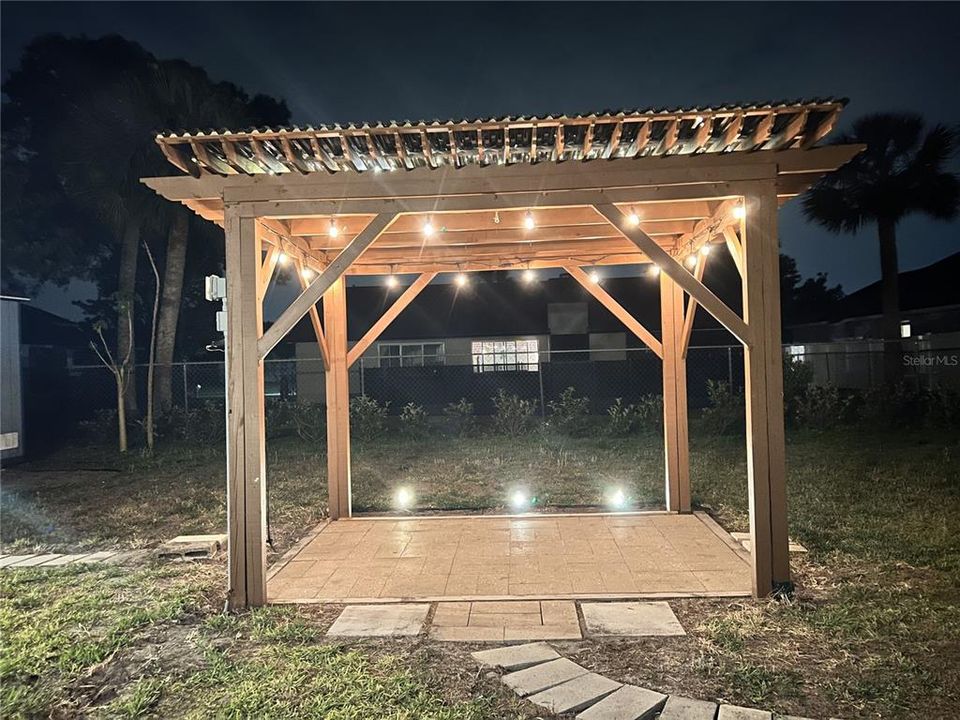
282	259
428	228
392	281
705	250
307	273
461	280
529	276
617	498
404	498
595	277
654	270
691	260
518	500
528	222
633	219
739	212
334	230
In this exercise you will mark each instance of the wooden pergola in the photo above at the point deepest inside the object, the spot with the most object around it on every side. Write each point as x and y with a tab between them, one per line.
625	188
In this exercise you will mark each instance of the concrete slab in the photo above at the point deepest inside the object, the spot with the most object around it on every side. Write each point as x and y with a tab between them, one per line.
380	620
8	560
735	712
576	694
35	560
516	657
681	708
627	703
540	677
97	557
65	560
634	619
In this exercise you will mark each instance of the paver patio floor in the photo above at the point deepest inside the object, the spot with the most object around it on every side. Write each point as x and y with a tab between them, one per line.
495	558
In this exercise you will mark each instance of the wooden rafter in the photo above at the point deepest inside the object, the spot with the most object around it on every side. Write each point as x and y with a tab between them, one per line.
669	265
269	264
314	319
312	294
621	313
734	248
691	311
388	317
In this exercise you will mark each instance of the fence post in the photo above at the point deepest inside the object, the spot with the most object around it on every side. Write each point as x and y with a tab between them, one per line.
186	395
543	404
730	366
363	386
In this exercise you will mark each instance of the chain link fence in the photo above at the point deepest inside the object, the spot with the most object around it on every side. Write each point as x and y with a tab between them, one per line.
433	383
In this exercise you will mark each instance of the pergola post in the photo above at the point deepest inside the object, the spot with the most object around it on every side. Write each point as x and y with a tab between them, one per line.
763	376
246	477
338	399
676	448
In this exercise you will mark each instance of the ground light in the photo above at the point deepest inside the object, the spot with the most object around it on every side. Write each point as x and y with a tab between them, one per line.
617	499
519	502
403	498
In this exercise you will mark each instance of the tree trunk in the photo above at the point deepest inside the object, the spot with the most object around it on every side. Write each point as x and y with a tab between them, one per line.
121	418
177	238
890	290
126	297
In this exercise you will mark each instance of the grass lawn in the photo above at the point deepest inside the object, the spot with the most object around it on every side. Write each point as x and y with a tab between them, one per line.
874	630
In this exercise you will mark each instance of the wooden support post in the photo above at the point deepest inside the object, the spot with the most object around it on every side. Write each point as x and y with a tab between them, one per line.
338	400
246	478
676	448
763	376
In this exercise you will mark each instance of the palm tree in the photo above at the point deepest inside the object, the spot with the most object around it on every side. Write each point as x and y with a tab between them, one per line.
904	170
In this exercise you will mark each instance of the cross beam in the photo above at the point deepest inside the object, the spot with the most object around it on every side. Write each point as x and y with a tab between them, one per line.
389	316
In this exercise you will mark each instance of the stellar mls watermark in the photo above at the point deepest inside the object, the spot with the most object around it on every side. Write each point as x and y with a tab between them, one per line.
931	360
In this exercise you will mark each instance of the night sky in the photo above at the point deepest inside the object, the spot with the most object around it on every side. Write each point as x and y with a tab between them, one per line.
369	62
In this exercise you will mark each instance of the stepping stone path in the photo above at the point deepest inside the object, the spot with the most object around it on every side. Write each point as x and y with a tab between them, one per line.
632	619
49	560
537	672
510	620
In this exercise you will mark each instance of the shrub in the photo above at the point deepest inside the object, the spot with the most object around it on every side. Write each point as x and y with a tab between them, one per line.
645	416
725	415
570	413
900	406
204	423
797	377
514	415
367	417
413	421
819	406
309	421
461	418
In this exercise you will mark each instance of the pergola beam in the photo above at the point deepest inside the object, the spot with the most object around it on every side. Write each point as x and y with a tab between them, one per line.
669	265
388	317
691	311
620	312
315	320
312	294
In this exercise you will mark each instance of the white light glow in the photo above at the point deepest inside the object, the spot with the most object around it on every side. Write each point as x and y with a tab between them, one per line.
282	259
739	212
428	229
519	500
404	498
529	276
595	277
392	281
705	250
461	280
617	499
633	219
528	222
307	273
691	260
654	271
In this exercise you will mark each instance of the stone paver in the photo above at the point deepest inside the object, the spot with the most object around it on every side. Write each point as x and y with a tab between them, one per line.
735	712
576	694
8	560
37	560
516	657
65	560
380	620
681	708
627	703
633	619
506	621
540	677
97	557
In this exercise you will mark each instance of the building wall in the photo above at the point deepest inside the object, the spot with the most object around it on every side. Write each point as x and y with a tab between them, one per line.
11	399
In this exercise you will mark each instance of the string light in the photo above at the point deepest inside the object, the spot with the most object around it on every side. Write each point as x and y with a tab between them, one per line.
739	212
691	260
595	277
633	219
528	222
392	281
333	230
654	270
705	250
529	276
282	259
461	280
307	273
428	229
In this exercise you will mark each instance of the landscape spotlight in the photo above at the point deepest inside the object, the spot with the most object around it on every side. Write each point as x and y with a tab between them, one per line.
461	280
404	498
739	212
617	499
392	281
519	501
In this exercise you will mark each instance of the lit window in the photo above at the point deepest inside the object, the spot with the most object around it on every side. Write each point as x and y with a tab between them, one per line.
505	355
